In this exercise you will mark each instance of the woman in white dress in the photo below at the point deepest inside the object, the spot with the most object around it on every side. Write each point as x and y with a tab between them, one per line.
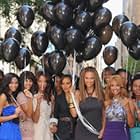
42	106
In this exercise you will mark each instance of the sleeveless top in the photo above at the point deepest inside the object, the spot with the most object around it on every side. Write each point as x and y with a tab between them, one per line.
115	112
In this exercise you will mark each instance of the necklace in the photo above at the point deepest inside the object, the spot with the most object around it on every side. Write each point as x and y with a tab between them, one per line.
89	93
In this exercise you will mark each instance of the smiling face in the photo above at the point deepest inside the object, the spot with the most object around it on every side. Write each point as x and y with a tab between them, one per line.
66	84
28	84
115	88
89	79
13	84
136	87
42	83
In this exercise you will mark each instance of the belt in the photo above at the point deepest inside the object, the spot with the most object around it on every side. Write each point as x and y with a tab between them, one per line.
65	119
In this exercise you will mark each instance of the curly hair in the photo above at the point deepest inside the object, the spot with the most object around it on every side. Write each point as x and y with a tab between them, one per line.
119	81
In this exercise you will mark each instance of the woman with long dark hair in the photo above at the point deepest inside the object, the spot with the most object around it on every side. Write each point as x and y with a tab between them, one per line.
25	99
135	88
42	105
9	111
62	110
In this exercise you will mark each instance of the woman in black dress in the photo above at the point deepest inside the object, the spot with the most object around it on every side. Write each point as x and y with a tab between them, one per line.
91	104
62	111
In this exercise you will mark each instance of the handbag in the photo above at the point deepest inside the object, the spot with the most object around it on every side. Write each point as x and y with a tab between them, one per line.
135	132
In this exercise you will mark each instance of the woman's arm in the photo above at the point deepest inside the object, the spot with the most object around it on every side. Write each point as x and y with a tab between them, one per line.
26	103
71	104
36	113
103	123
130	116
3	101
136	109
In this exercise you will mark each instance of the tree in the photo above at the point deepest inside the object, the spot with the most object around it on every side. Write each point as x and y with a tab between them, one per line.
132	65
8	7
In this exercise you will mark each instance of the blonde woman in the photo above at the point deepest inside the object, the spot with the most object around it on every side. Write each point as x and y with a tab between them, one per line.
118	112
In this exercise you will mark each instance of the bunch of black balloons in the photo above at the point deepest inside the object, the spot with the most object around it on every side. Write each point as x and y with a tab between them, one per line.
78	27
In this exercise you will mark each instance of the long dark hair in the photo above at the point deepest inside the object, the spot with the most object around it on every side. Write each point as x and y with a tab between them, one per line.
4	88
136	77
28	75
48	90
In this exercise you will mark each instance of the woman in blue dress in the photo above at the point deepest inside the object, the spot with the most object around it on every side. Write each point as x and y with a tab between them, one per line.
9	112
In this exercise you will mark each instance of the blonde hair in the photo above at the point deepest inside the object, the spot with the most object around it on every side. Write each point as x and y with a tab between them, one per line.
119	81
98	87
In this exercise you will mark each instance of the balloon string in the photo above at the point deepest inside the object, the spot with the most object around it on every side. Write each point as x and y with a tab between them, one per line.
127	62
69	66
131	67
43	64
57	137
25	62
0	27
74	70
135	64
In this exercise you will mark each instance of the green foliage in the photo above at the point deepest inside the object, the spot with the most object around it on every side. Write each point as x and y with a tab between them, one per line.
132	65
8	7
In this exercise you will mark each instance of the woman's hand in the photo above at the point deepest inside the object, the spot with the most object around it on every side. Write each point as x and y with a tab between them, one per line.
101	134
18	111
28	93
39	97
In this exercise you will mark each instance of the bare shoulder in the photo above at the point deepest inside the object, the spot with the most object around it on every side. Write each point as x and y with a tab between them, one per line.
3	98
77	95
107	103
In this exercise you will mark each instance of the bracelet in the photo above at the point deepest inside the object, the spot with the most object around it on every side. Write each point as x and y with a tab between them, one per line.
71	105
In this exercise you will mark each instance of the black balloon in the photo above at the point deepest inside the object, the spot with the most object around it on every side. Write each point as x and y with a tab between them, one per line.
105	1
105	34
92	5
134	50
138	31
23	58
13	33
47	11
45	63
110	54
57	62
92	47
128	33
117	23
74	39
10	49
1	50
102	17
73	3
39	43
91	32
80	7
57	36
63	14
56	1
25	16
79	57
83	21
